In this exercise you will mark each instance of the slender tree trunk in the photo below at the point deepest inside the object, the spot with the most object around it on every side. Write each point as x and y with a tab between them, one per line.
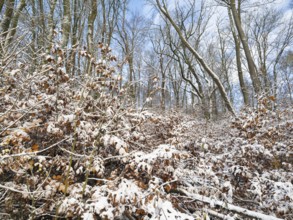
261	49
265	77
225	67
1	4
43	23
91	21
75	25
51	26
138	94
34	33
215	111
251	65
104	29
289	83
112	20
14	21
243	86
131	74
5	23
66	22
242	83
163	96
90	35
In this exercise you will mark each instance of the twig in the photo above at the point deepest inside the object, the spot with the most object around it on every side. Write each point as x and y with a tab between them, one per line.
3	195
24	114
36	152
74	154
119	156
18	191
98	179
17	120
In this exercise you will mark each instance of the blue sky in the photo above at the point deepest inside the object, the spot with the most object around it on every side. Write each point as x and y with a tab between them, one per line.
136	5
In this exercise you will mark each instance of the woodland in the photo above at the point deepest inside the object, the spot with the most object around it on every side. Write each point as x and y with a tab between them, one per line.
146	109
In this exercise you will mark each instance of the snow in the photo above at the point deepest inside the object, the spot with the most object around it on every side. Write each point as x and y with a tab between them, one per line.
103	161
161	210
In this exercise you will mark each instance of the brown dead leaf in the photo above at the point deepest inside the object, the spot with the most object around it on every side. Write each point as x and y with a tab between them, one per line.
140	212
57	177
61	188
35	147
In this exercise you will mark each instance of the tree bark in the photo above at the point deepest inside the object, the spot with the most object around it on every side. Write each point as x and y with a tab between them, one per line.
43	23
51	26
163	82
243	86
76	26
66	22
104	29
14	21
1	4
7	17
251	65
91	21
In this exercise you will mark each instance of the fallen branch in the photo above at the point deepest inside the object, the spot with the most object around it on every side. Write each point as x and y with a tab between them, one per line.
219	215
229	206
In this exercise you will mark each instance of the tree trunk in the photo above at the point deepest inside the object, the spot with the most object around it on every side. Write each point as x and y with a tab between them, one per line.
7	17
14	21
215	111
75	28
163	80
243	86
90	35
51	26
43	23
251	65
1	4
104	30
66	23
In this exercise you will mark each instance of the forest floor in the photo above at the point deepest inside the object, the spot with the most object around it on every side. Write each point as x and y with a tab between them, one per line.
168	166
72	147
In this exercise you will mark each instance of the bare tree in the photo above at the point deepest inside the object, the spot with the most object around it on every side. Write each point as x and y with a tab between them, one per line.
130	37
237	43
159	46
272	34
164	10
66	22
110	13
9	26
5	23
225	61
236	15
286	68
14	21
